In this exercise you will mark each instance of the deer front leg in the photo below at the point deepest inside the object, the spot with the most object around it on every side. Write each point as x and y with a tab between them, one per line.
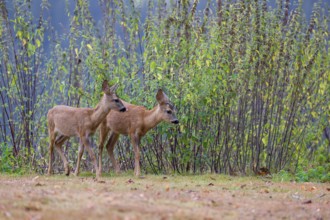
80	154
86	143
100	155
136	142
110	147
103	135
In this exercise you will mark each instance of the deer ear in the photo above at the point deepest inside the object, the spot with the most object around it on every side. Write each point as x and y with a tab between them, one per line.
105	86
161	96
113	88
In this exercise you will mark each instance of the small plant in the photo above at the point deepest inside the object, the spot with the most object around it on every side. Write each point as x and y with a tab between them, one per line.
319	173
7	160
283	176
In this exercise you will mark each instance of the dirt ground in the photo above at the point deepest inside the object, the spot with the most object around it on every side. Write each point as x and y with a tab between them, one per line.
160	197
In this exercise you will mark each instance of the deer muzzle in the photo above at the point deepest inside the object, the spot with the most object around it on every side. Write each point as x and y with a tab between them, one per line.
175	121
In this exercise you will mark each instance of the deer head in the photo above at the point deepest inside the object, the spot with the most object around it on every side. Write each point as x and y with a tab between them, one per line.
166	107
112	98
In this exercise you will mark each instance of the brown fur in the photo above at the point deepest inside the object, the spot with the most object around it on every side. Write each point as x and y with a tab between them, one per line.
135	123
65	122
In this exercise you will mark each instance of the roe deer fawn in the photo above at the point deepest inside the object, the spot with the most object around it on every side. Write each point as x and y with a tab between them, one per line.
65	122
135	123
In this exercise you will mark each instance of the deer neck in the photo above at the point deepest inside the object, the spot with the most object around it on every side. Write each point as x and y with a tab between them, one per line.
152	118
100	112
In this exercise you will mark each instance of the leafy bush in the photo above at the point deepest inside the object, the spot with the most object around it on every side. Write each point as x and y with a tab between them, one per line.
319	173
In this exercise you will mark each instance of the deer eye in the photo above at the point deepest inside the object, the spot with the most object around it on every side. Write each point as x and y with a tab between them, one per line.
169	112
116	100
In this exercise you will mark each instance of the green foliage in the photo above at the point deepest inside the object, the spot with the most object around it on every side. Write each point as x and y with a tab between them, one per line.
319	173
7	160
303	174
250	85
20	164
283	176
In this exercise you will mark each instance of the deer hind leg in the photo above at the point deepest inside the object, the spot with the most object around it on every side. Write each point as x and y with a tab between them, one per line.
58	144
86	143
110	147
51	150
80	154
136	142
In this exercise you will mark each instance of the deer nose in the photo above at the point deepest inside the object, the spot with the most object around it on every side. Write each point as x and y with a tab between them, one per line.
123	109
176	121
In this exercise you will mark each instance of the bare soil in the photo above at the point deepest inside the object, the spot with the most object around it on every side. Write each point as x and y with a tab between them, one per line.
160	197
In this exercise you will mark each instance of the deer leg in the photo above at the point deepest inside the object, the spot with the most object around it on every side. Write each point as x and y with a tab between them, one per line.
58	144
110	147
80	154
51	150
86	143
136	142
103	135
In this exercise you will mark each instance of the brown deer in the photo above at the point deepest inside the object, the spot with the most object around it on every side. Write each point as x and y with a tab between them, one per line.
65	122
135	123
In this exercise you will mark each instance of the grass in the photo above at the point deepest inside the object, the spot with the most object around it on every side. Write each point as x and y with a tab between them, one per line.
125	196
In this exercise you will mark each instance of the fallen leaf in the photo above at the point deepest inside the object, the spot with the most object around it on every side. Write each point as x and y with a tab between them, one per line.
296	196
264	191
39	184
8	214
32	207
130	181
307	202
211	184
18	195
263	171
320	196
213	203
